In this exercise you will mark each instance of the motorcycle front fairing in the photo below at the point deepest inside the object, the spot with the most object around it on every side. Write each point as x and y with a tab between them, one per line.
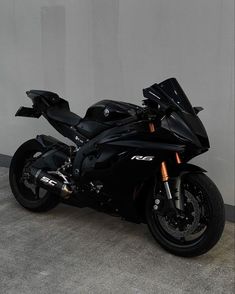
180	117
134	139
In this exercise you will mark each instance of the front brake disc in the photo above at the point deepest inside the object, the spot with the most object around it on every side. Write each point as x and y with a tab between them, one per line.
190	228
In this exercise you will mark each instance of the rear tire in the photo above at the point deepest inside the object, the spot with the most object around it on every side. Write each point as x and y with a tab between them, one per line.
214	227
23	153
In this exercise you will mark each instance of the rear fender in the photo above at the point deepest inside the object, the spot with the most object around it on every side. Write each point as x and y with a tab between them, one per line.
48	141
54	155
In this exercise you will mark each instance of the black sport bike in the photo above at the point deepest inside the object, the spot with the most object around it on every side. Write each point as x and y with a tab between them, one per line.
127	160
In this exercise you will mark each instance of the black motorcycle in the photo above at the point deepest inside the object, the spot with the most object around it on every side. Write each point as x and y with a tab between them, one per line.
127	160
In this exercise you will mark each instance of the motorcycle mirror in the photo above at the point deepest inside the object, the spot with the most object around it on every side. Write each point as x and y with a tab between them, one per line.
197	109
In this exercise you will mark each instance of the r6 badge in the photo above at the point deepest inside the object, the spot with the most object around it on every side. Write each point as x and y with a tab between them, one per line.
141	157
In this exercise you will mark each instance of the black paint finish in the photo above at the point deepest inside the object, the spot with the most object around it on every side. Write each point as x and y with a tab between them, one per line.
112	133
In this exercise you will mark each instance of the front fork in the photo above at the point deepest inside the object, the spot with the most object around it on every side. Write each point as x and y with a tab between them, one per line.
175	201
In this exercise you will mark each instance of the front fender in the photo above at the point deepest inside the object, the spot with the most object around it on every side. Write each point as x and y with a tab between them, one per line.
184	168
175	171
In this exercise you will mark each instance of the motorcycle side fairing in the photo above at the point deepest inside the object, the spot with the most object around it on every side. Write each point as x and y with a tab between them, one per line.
120	165
119	162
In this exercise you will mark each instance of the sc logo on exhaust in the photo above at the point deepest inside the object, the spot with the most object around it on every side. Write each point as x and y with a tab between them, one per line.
140	157
48	181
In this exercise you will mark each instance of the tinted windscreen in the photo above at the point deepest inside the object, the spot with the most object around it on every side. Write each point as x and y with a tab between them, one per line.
173	89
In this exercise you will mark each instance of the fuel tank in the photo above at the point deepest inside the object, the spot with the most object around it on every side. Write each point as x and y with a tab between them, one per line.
109	111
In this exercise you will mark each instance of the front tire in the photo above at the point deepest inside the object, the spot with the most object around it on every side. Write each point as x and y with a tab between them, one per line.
24	194
209	201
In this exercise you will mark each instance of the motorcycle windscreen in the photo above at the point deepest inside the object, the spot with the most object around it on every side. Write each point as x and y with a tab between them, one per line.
158	96
169	94
173	89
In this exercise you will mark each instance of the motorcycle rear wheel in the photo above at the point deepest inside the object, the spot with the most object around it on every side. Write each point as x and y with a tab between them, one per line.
24	193
211	220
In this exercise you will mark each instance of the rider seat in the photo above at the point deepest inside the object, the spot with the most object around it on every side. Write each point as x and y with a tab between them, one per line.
63	115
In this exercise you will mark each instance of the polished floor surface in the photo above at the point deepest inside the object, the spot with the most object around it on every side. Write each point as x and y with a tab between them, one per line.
72	250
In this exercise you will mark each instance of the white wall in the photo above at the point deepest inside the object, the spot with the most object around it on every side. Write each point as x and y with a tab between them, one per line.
93	49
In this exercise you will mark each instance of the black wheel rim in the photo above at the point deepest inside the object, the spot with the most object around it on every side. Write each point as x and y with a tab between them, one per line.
28	191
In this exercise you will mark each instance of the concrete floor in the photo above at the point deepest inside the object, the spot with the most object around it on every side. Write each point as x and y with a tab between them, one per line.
72	250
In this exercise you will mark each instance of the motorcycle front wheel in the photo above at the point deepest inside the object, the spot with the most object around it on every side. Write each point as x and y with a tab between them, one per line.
195	229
